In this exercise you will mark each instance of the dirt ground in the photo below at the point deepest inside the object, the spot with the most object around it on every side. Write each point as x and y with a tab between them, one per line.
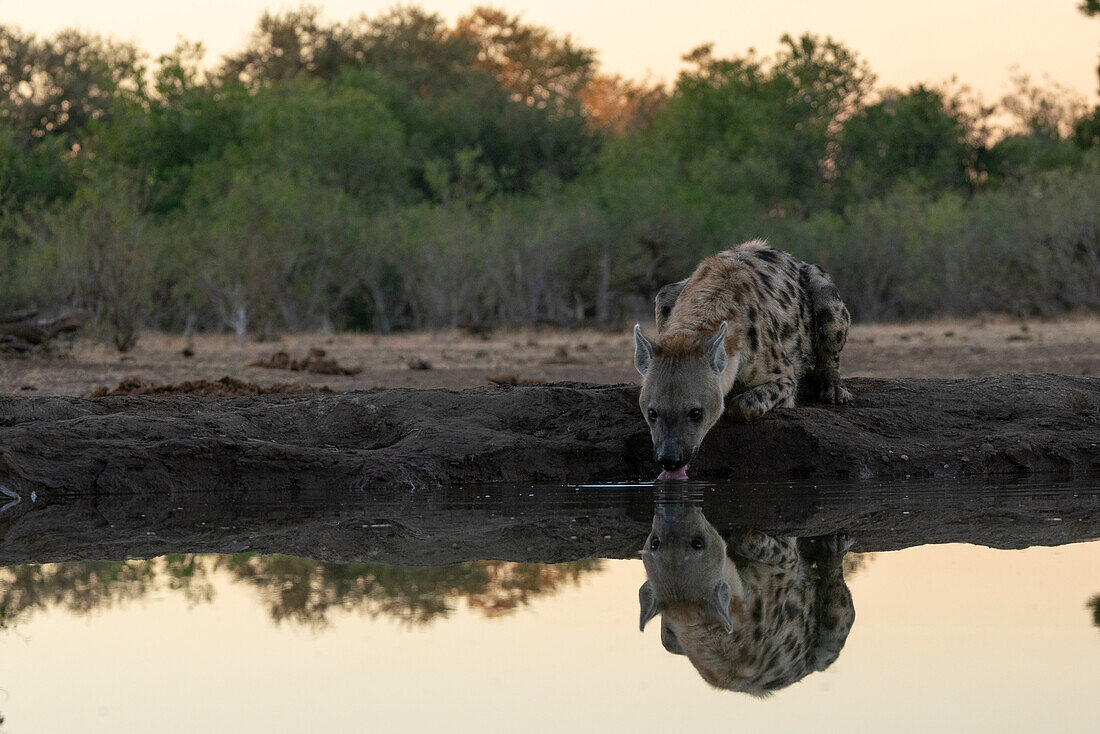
457	359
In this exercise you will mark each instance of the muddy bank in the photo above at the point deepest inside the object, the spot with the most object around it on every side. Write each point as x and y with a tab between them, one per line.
565	432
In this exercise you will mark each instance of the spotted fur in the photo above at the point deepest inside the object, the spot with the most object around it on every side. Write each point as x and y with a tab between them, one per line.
789	612
787	326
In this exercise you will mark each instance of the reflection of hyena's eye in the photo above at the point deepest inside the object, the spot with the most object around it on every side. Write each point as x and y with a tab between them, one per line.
695	414
698	543
652	414
654	544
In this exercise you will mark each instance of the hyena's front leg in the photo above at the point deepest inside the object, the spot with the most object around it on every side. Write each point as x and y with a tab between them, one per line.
830	333
836	612
758	400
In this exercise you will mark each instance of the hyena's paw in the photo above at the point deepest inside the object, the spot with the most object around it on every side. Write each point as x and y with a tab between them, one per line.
754	403
833	392
836	545
746	407
826	550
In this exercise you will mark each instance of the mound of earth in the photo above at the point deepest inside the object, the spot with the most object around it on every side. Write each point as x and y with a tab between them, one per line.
562	432
222	388
316	362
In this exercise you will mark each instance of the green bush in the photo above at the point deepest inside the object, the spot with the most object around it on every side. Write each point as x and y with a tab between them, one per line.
398	172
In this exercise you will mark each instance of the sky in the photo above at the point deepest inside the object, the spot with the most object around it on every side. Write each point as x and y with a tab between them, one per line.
981	42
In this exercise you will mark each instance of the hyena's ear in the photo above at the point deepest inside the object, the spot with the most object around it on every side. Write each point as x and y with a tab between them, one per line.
644	350
719	604
647	600
715	349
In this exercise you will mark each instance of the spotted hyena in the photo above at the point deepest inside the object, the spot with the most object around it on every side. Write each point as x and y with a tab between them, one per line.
755	614
751	323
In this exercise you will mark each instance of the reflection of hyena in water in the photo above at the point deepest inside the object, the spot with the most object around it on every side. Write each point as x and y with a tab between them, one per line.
755	615
752	322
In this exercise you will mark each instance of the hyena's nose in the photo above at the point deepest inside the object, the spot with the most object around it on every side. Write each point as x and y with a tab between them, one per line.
670	461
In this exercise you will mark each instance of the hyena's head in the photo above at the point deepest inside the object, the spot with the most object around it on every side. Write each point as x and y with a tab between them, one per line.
681	392
687	570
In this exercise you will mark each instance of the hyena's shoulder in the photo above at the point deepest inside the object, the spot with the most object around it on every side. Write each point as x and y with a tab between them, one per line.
765	296
745	281
775	273
753	274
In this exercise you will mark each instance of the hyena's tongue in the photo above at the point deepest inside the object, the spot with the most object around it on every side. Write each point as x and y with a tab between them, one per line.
681	474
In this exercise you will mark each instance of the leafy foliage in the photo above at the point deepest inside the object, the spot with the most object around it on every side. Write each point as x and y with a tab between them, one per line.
397	171
913	136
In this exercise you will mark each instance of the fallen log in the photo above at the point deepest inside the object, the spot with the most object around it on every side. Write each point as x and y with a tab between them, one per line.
17	316
418	439
22	331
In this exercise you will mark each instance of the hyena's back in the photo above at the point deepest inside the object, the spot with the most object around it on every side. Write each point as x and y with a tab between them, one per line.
787	322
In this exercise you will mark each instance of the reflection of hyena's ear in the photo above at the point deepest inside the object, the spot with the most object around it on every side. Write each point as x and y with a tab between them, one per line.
643	350
647	600
715	349
668	639
719	604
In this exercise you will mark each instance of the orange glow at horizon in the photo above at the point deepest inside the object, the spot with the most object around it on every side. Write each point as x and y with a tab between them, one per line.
983	43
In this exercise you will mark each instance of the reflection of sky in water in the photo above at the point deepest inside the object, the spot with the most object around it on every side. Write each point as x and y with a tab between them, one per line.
946	638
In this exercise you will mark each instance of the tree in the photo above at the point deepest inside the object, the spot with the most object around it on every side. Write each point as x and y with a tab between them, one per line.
618	106
1086	131
915	135
763	127
50	91
1046	117
55	87
542	69
339	135
284	45
105	254
449	89
185	119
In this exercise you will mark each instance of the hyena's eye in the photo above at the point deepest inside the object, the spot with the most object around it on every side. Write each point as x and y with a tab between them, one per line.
652	414
695	414
698	543
654	544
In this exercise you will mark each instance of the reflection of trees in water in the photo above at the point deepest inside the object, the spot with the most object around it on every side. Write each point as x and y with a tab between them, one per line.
1094	603
297	589
305	591
80	587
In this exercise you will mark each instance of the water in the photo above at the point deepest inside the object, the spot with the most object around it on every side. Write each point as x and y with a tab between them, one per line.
290	612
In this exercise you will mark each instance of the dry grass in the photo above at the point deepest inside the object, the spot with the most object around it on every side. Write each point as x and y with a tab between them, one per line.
940	348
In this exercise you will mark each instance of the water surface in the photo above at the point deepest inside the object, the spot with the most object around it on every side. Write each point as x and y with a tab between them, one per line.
948	635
